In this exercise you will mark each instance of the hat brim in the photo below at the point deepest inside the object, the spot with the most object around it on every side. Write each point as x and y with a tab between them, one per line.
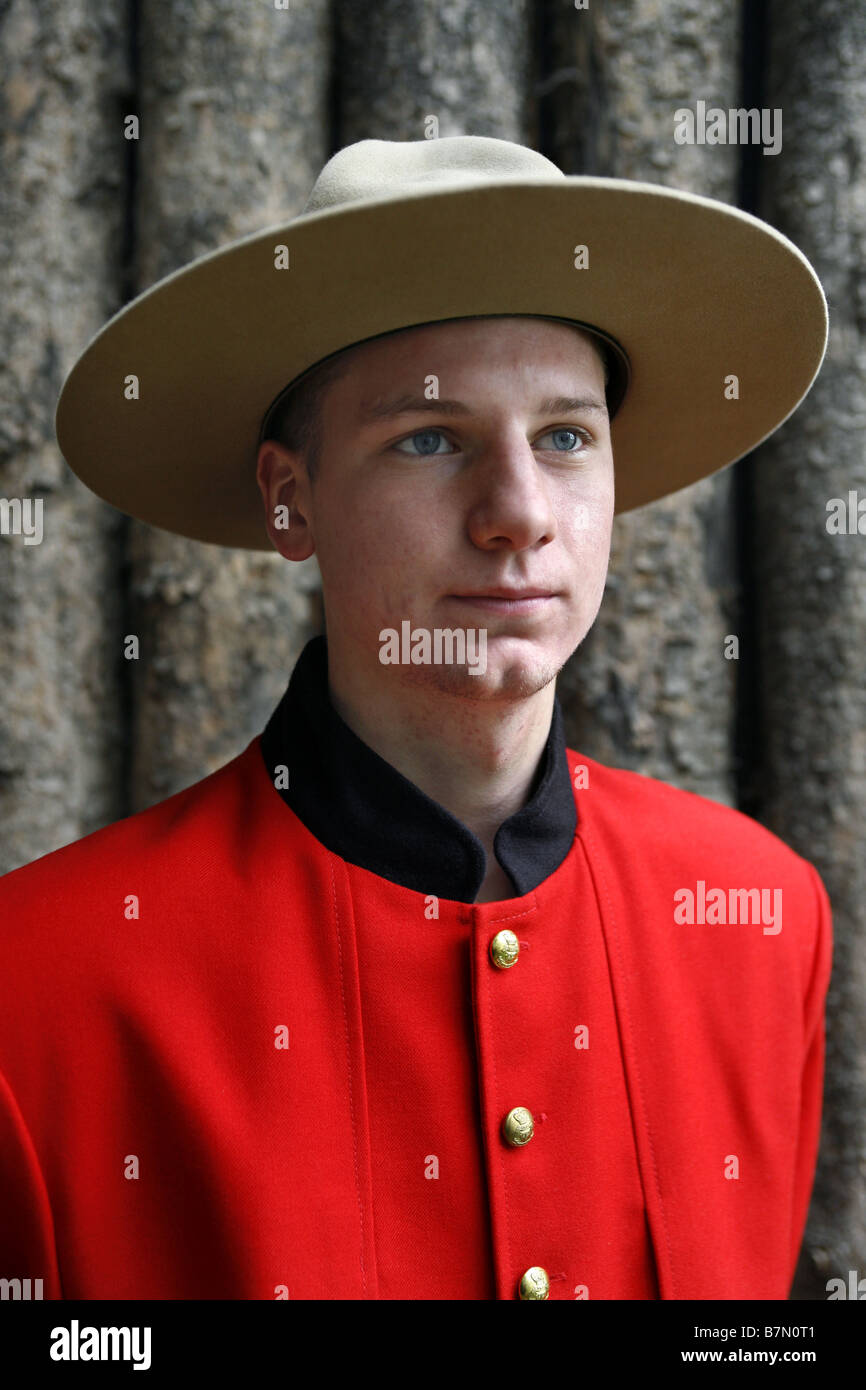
693	290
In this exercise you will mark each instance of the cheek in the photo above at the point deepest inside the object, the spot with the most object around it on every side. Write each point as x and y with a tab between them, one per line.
589	530
589	554
372	546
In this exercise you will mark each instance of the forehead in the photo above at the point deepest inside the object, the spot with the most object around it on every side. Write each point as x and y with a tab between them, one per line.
555	372
493	343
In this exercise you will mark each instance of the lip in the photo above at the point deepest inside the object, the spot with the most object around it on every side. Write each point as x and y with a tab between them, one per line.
507	600
506	593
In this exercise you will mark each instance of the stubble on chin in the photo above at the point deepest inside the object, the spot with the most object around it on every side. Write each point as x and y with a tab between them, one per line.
506	681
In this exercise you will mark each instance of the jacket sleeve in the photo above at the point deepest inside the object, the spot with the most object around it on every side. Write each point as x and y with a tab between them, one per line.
27	1245
812	1086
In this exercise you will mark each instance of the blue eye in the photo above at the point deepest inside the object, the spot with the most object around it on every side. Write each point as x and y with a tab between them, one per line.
573	437
428	438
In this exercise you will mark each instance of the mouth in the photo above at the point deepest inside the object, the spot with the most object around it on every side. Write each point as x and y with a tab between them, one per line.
513	601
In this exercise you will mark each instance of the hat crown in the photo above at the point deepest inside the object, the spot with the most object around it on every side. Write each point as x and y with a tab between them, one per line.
373	169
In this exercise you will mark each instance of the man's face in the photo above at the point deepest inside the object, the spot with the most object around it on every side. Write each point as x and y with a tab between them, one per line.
425	511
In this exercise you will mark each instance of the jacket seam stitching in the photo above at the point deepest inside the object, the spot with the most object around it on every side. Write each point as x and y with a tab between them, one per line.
350	1076
623	1010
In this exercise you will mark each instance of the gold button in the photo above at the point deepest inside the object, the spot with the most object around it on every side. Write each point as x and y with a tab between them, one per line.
535	1284
517	1127
504	949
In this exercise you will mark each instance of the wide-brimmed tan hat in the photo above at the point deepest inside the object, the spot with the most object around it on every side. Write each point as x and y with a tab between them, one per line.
689	293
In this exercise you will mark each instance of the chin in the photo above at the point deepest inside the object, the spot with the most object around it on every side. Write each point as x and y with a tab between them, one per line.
503	678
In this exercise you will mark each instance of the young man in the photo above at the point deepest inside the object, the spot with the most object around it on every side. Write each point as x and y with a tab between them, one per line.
415	1002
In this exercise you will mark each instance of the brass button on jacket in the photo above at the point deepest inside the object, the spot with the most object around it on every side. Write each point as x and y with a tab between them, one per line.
504	949
518	1127
535	1284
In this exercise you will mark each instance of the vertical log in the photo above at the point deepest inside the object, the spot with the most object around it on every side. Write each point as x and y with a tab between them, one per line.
234	122
61	227
813	582
465	63
650	687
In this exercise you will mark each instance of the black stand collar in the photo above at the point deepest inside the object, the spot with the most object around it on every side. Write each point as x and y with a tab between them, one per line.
364	810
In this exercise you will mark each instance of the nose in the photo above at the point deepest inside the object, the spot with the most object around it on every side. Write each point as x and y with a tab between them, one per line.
511	506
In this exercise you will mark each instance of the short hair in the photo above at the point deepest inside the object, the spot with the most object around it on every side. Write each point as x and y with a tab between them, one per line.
296	421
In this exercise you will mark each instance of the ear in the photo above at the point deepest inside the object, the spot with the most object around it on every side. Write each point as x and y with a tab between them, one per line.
285	487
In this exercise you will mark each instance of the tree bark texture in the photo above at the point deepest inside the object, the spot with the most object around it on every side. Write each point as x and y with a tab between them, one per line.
63	195
811	583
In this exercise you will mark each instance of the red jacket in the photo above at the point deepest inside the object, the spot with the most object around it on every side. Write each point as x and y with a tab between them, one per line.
286	1077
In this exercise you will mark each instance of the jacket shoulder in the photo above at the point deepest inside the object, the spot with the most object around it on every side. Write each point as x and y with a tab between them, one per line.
159	833
659	845
682	827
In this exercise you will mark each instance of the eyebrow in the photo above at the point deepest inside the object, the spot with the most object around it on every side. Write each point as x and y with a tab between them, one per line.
383	409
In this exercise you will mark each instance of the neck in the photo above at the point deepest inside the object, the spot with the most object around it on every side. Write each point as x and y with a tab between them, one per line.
476	757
